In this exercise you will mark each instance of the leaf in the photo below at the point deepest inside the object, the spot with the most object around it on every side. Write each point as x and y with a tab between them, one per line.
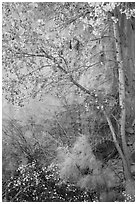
130	130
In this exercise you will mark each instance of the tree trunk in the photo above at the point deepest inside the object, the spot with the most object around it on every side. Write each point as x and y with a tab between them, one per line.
121	87
121	84
126	170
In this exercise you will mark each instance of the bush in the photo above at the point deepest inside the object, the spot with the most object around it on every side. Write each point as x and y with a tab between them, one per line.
67	181
32	183
79	165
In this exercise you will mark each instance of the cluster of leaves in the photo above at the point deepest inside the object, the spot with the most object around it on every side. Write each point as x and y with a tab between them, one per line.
33	183
26	35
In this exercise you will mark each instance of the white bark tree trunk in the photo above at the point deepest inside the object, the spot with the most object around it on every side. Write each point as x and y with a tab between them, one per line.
130	189
121	89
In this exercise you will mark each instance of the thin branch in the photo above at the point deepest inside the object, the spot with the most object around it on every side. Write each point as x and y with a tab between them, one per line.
12	200
38	69
60	125
69	75
104	51
104	36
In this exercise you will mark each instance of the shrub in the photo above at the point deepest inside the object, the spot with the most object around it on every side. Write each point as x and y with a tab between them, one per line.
32	183
81	166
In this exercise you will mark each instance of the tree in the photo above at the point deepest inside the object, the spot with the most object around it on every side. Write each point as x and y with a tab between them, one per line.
56	57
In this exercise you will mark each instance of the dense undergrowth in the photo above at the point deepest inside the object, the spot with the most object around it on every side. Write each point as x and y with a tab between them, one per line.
80	173
32	183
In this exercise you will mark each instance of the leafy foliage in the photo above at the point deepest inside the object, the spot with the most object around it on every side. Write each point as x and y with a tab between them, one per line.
26	36
31	183
50	47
